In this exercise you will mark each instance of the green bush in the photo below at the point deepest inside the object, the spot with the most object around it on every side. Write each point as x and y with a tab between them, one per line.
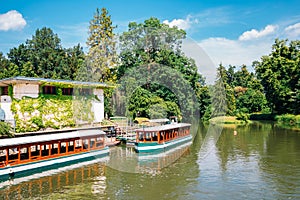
5	129
287	119
242	116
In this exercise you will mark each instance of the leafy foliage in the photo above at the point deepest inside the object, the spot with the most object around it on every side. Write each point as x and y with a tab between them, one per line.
5	129
151	44
43	56
50	111
244	92
279	73
145	103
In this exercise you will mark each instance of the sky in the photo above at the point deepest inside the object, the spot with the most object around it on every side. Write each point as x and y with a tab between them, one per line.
228	32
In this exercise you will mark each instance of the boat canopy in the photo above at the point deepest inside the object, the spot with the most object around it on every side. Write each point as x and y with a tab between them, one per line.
163	127
8	142
159	120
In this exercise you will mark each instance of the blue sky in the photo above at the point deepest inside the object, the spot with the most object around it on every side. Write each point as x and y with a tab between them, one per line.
228	32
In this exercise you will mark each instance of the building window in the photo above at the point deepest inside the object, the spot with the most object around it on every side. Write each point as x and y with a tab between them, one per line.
49	90
67	91
84	91
4	90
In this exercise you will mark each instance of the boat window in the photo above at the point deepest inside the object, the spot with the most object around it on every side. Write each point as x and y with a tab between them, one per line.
2	158
85	144
35	151
99	142
63	147
13	155
71	146
78	145
92	143
54	148
45	149
24	153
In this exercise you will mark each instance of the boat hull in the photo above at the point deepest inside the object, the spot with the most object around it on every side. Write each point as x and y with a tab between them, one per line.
28	169
155	147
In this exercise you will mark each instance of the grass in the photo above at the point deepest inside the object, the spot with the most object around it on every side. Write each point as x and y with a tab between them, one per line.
226	120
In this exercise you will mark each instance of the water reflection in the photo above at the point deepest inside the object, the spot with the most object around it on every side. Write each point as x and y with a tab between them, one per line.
38	186
261	162
125	159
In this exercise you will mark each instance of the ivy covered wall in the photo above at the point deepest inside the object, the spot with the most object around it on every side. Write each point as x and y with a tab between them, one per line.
51	111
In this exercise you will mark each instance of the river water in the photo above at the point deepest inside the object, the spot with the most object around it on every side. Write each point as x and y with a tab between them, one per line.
262	161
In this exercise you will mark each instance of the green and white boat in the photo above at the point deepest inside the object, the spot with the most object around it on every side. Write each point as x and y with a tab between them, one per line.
162	138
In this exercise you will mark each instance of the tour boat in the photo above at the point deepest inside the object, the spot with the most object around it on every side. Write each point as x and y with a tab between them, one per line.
162	138
22	156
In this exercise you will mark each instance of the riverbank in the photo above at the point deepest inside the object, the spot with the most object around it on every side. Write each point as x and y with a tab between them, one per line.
285	121
226	120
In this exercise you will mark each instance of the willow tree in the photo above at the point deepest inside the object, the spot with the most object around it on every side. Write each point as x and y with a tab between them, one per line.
102	56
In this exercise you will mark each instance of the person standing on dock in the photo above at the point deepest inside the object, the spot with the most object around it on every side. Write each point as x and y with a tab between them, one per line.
2	115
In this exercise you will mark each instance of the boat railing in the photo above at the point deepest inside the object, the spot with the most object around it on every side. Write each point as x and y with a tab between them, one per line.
161	136
40	151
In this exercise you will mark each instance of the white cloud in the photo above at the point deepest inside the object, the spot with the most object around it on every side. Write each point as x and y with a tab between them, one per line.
235	52
254	34
209	53
206	66
184	24
293	30
12	20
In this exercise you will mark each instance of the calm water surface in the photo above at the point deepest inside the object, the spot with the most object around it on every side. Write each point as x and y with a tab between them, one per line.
261	162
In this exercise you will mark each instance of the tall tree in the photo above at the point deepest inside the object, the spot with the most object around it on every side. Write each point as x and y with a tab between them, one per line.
102	55
279	73
151	44
102	58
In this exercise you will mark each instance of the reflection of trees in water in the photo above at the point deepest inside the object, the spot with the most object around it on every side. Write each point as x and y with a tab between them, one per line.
65	185
250	140
172	182
281	162
269	152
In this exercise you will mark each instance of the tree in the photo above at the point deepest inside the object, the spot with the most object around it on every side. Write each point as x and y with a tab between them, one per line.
152	44
244	92
149	42
4	64
44	56
222	85
101	59
279	73
102	55
28	70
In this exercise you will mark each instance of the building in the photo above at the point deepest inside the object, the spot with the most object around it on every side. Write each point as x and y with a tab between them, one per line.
34	103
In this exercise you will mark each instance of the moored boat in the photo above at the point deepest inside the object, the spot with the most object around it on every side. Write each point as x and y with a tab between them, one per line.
162	138
22	156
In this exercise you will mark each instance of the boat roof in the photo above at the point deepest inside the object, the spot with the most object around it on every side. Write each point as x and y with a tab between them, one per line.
7	142
163	127
159	120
